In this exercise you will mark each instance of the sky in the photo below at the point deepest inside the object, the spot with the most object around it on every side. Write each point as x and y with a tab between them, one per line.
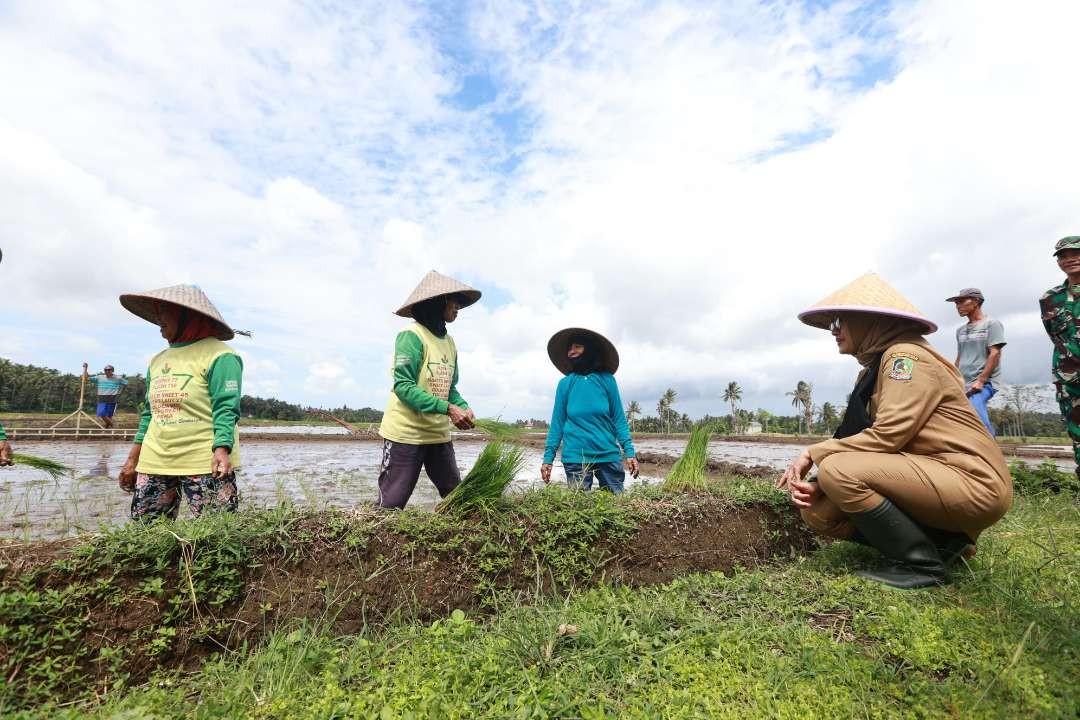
683	177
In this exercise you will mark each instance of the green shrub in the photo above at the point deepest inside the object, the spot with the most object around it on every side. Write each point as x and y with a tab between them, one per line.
1044	478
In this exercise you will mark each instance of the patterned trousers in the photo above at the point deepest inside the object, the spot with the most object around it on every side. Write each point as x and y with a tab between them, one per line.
159	495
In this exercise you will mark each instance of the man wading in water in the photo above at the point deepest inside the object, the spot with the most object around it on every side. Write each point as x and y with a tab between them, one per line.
108	389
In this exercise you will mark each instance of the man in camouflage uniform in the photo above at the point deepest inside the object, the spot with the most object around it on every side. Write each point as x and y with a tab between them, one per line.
1060	308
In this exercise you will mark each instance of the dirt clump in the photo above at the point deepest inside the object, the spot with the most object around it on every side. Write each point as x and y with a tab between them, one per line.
659	463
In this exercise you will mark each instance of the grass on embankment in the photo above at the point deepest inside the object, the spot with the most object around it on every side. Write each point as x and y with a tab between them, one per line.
799	640
79	620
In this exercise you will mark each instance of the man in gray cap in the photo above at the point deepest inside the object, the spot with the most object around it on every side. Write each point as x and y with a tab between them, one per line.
978	357
1059	311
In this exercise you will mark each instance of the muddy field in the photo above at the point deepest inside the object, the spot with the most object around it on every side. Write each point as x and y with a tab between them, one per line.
322	474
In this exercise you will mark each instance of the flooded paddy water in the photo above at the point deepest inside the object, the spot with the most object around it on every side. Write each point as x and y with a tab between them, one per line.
317	474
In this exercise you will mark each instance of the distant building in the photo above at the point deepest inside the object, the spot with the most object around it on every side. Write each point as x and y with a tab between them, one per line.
752	428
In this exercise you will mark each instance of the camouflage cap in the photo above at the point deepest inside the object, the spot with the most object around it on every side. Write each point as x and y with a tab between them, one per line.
1071	242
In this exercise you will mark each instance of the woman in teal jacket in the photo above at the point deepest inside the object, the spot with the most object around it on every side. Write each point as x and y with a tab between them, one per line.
588	419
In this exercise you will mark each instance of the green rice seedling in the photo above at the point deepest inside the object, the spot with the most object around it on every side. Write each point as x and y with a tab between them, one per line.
54	469
689	470
493	472
498	429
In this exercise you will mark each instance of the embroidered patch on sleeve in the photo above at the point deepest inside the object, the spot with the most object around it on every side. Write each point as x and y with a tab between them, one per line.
901	367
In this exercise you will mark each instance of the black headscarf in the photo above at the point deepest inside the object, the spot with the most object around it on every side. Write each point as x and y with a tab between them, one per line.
857	416
589	361
430	314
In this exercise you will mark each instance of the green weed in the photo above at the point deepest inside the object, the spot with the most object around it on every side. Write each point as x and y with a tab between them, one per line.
1043	478
806	639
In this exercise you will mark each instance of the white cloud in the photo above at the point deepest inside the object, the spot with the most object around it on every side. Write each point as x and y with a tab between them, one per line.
306	169
329	378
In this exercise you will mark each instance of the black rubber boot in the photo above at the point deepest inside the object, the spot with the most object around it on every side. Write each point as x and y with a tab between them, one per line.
857	538
916	562
951	544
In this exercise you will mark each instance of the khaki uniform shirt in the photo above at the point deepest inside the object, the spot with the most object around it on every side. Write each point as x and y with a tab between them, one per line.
920	410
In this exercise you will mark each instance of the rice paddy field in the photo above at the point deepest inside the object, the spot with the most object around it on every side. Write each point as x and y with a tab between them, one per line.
317	475
326	474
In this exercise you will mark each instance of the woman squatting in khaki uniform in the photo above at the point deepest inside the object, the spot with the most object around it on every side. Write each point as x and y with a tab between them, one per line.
911	471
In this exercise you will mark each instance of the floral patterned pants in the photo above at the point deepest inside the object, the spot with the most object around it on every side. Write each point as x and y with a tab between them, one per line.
157	495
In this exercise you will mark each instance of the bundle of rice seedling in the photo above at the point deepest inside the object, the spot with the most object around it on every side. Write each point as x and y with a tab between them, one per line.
54	469
487	481
689	470
497	429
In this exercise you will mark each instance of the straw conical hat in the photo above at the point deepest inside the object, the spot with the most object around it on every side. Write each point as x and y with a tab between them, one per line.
868	294
609	356
186	296
435	284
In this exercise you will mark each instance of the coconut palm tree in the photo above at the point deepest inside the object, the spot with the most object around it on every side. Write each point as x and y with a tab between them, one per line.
828	416
664	408
733	394
803	397
633	410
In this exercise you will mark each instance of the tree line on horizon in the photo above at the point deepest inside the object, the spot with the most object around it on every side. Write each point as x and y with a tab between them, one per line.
29	388
1016	419
33	389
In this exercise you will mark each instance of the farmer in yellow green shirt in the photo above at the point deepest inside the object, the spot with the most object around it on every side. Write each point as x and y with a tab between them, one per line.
187	438
425	400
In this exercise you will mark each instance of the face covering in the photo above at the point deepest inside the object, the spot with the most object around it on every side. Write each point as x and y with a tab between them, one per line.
588	361
430	314
194	326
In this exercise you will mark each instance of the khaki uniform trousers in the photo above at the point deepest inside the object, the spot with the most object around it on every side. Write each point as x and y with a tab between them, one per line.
854	482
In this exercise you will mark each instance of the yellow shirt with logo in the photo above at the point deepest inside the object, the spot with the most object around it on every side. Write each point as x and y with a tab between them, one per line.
425	379
180	437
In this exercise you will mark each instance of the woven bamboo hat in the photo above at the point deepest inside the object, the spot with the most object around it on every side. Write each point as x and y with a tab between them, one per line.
435	284
186	296
609	356
868	294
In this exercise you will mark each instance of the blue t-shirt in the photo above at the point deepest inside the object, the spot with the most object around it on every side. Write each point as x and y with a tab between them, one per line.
588	421
108	387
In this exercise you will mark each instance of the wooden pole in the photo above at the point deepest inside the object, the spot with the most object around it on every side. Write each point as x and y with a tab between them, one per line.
82	394
78	414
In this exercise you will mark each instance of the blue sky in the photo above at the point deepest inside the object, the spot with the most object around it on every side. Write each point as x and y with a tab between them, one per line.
682	176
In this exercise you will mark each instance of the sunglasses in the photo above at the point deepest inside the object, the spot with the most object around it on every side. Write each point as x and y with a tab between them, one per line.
834	326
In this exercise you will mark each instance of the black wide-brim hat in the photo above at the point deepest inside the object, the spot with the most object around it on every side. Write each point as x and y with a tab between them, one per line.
556	347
